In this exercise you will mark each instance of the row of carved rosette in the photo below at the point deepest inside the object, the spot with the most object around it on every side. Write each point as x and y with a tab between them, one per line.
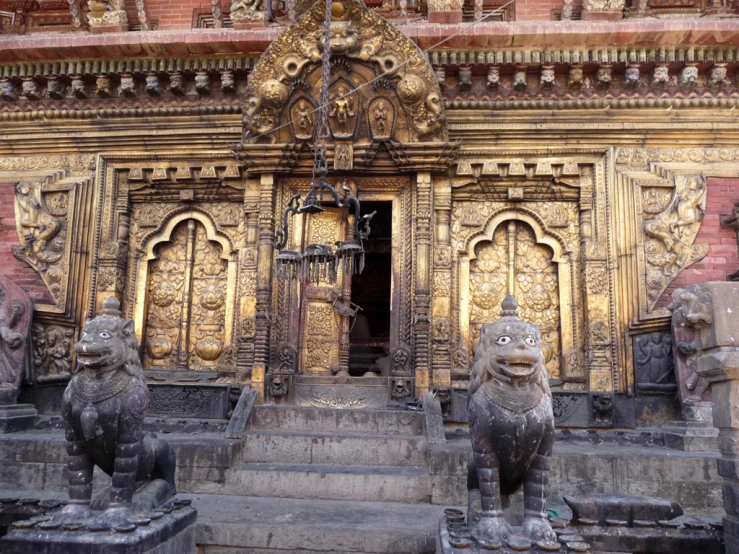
485	81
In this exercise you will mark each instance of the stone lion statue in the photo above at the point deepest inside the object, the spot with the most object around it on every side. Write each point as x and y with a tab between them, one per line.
511	427
103	410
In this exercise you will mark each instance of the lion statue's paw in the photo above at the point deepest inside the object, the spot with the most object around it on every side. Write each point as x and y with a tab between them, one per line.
538	529
492	528
73	513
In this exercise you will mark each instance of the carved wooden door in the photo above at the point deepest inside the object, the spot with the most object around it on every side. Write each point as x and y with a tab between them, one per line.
320	322
513	263
186	303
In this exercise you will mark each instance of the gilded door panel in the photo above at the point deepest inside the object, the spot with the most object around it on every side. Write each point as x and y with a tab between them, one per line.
165	290
208	305
186	305
513	262
319	325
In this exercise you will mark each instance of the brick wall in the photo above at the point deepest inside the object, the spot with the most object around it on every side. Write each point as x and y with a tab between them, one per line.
20	272
539	10
176	14
723	254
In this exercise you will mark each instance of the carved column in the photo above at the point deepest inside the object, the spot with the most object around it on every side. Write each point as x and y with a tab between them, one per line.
247	287
422	300
441	290
264	282
716	346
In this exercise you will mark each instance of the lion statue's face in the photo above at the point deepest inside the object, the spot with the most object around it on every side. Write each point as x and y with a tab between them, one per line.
105	343
514	347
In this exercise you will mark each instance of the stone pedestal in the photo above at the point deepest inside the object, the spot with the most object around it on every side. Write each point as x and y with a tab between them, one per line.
602	16
446	17
121	28
691	436
17	417
171	531
716	348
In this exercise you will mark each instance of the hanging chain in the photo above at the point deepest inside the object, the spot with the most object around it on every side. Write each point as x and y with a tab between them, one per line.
320	164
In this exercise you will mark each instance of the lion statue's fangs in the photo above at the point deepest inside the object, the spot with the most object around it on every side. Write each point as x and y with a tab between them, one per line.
103	410
511	426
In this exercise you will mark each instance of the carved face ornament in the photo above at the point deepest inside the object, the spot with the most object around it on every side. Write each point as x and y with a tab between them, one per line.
517	351
102	345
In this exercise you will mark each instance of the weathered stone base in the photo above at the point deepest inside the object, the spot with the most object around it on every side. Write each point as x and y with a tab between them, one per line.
691	437
17	417
173	533
446	18
122	28
602	16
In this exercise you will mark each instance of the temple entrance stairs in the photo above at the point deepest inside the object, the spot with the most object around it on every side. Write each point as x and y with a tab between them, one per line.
332	454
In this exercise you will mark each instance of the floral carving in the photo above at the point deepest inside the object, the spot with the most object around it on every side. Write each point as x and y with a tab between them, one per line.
596	280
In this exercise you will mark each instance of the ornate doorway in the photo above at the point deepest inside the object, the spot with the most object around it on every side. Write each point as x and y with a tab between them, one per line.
512	262
184	299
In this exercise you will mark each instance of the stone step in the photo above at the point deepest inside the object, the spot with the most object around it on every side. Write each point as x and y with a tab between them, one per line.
409	485
327	448
237	524
328	420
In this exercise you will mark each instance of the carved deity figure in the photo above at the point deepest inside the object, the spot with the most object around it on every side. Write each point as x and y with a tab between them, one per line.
653	356
688	205
103	409
380	116
690	313
305	119
341	109
512	428
246	11
36	227
494	78
15	319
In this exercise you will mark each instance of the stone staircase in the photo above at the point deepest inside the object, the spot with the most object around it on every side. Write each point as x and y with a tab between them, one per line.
331	454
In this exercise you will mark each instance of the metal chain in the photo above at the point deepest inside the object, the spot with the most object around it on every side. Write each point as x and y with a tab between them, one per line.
320	164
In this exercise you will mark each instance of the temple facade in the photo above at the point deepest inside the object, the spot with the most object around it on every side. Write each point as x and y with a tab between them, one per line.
150	151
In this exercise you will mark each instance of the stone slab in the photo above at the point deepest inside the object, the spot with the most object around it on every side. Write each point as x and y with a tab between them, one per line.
174	533
602	507
241	413
17	417
433	418
691	437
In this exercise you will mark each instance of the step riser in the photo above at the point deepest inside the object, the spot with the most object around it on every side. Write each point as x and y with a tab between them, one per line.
323	420
366	451
357	487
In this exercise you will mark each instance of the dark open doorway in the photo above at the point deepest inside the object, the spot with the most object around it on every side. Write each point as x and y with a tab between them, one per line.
371	290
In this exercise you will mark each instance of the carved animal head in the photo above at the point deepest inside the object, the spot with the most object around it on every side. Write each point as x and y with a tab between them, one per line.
108	342
509	350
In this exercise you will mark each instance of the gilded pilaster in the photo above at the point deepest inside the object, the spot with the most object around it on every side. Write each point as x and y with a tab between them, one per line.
422	297
264	281
441	290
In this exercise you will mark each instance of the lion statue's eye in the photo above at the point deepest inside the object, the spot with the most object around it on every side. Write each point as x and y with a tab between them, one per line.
104	335
531	341
504	339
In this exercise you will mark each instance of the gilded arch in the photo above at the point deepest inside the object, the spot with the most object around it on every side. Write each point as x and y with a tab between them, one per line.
363	46
564	277
147	254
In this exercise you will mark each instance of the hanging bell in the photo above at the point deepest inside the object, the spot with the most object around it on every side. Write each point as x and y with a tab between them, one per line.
287	264
319	264
311	204
351	255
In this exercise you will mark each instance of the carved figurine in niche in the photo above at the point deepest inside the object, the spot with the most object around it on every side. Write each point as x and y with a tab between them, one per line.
103	410
653	362
278	389
15	318
688	76
689	210
718	75
305	119
689	314
37	228
380	115
341	109
52	353
247	11
401	389
7	91
574	79
631	77
494	78
661	76
512	428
